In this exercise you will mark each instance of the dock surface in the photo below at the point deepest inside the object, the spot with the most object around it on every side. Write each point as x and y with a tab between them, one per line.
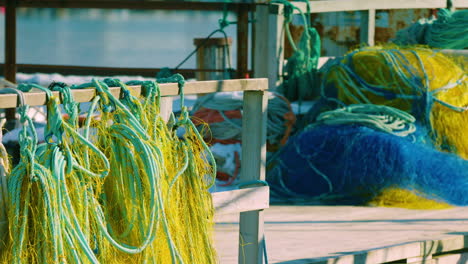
349	234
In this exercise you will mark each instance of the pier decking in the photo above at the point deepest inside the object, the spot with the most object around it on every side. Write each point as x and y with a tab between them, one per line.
357	235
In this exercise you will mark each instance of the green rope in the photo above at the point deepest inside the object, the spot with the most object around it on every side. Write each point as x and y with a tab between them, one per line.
299	77
379	117
222	23
448	31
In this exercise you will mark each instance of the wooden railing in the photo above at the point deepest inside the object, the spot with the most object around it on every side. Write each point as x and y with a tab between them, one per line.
269	24
249	201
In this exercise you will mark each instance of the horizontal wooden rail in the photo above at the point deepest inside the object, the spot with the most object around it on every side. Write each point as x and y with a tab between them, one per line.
452	52
129	4
36	97
103	71
356	5
243	200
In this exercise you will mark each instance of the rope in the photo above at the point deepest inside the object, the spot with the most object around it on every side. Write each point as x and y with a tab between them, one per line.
448	31
420	81
222	23
378	117
280	122
124	189
300	71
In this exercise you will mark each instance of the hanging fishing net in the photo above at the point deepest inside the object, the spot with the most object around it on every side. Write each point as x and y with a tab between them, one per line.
300	72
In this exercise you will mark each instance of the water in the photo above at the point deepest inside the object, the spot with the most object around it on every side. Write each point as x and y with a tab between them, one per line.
111	38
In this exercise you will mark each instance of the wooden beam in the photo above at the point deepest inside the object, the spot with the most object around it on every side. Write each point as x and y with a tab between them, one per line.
357	5
455	53
254	123
367	34
242	41
128	4
10	49
243	200
166	108
36	97
102	71
460	3
268	38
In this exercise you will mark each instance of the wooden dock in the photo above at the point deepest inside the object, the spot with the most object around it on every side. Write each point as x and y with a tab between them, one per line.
354	235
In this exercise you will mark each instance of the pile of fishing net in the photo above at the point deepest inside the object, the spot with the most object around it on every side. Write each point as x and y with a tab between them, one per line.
352	156
409	143
122	189
423	82
448	31
222	112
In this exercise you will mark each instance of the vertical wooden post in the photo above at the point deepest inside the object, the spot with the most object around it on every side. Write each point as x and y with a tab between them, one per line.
269	57
254	123
368	27
166	108
242	41
212	55
10	48
252	16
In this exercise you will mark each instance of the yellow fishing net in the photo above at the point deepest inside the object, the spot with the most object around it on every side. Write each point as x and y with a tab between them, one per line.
397	197
123	188
424	82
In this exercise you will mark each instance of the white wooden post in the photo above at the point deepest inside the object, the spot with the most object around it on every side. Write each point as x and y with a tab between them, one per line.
166	108
269	59
254	121
368	27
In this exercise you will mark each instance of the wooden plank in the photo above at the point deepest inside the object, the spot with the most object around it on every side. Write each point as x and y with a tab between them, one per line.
242	200
10	49
36	97
437	246
254	123
336	234
419	260
460	3
455	53
128	4
451	258
356	5
102	71
367	34
268	38
166	108
242	41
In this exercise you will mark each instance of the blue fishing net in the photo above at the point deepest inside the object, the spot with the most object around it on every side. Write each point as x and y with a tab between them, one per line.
351	164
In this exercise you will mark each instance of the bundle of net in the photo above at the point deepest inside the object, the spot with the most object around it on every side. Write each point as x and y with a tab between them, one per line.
368	154
449	30
105	188
421	81
5	168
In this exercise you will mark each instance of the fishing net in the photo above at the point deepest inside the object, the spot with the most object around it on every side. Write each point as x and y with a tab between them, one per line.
123	188
368	154
300	72
4	170
448	31
222	114
421	81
